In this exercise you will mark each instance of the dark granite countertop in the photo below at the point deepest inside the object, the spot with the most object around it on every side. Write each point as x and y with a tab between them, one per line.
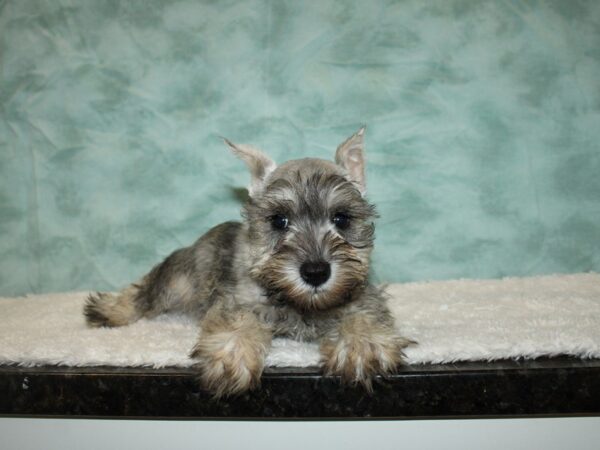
545	387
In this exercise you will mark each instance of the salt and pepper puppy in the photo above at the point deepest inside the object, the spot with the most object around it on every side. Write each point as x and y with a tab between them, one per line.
297	266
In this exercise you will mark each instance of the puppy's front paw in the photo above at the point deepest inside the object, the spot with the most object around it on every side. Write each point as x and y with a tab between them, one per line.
360	350
228	366
231	358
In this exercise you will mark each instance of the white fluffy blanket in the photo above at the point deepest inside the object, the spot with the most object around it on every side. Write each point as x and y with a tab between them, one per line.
450	320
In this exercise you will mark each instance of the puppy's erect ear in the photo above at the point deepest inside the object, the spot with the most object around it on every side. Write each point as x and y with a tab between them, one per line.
350	155
259	164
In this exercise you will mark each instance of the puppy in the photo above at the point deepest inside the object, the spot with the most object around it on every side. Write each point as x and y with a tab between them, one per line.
297	266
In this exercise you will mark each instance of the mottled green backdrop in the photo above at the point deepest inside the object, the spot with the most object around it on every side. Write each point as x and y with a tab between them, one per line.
483	128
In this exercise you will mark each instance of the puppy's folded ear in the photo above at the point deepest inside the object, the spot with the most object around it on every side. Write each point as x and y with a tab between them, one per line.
350	155
259	164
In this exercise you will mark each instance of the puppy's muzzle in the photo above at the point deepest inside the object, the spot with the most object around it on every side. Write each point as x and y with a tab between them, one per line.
315	273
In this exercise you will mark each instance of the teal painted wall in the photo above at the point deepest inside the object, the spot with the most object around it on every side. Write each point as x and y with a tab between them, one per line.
483	138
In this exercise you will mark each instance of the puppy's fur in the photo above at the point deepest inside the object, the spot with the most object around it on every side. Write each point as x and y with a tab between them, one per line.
297	267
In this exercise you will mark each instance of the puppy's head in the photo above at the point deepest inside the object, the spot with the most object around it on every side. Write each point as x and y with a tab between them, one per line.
310	228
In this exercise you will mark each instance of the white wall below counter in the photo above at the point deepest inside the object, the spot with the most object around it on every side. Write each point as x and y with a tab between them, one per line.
481	434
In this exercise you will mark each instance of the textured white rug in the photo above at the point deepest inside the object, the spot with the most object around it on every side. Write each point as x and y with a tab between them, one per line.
451	321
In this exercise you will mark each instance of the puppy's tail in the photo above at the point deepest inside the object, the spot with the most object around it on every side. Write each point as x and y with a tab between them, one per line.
112	310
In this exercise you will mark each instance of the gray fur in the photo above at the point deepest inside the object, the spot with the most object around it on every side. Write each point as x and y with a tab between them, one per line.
242	279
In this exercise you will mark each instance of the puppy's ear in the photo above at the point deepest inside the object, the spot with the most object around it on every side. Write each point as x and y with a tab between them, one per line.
259	164
350	155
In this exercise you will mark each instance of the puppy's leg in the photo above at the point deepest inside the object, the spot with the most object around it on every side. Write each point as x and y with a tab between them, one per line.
231	349
167	287
185	282
113	310
361	347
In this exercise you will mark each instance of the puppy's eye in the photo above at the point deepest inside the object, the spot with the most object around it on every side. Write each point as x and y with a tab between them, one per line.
341	220
279	222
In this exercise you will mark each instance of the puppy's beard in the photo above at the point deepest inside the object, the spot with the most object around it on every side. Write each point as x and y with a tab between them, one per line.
281	275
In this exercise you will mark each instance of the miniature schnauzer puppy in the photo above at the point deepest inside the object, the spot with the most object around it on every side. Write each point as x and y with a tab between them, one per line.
296	267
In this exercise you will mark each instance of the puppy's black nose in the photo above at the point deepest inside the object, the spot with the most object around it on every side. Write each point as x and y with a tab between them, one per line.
315	273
